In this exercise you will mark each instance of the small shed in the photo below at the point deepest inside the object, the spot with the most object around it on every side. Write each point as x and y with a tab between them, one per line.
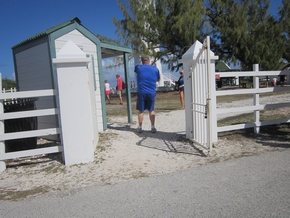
34	69
221	66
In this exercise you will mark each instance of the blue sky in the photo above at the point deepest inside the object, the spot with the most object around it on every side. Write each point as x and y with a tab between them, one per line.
20	19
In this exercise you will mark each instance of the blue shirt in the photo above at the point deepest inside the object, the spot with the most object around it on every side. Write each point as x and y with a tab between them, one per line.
147	76
181	81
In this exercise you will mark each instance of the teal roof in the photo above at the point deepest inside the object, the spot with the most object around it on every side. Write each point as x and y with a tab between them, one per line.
109	49
48	31
221	66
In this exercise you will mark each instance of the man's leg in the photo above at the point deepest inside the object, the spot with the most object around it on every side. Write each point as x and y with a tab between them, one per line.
121	100
140	118
152	117
140	121
120	96
152	120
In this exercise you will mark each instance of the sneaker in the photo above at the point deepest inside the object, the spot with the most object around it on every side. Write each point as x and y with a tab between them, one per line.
153	130
139	130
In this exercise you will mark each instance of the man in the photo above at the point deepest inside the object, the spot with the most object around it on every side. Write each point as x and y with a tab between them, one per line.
147	76
119	88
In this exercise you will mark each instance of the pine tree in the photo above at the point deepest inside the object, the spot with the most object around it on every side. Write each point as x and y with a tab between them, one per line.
172	26
244	31
284	20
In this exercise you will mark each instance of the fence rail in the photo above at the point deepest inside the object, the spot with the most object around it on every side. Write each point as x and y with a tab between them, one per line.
201	95
256	107
26	134
28	94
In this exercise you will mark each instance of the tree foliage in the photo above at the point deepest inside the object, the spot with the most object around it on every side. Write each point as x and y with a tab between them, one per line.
8	83
284	20
242	31
162	28
106	39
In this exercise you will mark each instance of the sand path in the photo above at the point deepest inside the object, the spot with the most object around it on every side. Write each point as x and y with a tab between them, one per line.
123	154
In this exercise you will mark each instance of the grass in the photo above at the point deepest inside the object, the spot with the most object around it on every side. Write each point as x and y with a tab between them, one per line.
276	131
59	168
165	102
104	136
168	101
19	195
139	174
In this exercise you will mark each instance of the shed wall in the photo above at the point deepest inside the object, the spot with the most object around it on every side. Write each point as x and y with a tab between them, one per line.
33	68
34	73
90	50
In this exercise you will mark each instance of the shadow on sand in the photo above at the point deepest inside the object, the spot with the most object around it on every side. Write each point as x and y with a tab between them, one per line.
165	141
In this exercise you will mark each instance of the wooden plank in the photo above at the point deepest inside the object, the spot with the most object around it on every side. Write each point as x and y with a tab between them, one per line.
30	113
272	122
32	152
253	73
252	91
28	94
29	134
235	127
252	125
251	108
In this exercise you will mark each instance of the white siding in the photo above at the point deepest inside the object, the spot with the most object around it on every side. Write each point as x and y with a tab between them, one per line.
90	49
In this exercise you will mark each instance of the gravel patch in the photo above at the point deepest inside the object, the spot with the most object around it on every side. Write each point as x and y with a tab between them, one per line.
123	154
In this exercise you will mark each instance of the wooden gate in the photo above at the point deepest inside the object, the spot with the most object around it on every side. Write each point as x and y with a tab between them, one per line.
199	88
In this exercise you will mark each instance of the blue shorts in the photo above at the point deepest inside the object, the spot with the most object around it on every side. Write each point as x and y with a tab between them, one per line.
145	102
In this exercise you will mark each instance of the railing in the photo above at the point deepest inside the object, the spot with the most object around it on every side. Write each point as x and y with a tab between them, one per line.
256	107
9	90
26	134
200	99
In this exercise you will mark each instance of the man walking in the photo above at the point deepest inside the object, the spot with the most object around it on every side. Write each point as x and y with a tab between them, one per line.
119	88
147	76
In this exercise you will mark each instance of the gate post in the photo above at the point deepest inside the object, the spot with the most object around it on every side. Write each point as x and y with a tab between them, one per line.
212	118
200	98
256	96
2	144
78	120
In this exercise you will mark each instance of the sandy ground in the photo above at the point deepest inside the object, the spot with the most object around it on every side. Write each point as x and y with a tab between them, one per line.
123	154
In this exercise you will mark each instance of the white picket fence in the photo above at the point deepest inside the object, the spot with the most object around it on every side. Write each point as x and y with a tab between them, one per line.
76	111
201	96
26	134
256	107
9	90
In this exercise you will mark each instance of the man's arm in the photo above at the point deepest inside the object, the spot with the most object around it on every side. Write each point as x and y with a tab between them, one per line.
158	76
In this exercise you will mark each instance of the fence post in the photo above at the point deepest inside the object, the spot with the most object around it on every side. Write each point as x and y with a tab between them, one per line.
2	144
78	119
212	117
200	98
256	98
188	60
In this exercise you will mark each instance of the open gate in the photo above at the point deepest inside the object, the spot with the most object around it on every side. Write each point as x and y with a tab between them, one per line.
198	64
